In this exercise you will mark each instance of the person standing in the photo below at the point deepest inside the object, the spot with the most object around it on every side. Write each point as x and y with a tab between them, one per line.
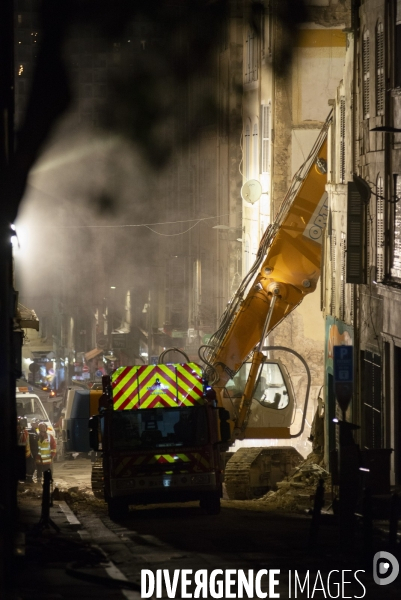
33	442
46	451
23	440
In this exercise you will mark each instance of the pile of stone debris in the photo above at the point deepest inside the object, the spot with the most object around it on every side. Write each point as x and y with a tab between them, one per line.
296	492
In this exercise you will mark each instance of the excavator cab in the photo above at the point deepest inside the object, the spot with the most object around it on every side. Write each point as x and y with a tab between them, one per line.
273	400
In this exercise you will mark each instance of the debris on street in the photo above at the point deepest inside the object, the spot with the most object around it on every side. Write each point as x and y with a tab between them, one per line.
296	491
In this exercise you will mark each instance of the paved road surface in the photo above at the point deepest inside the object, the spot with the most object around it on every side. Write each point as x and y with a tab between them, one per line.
184	537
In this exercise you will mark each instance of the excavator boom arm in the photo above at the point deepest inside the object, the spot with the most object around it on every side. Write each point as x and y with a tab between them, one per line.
289	269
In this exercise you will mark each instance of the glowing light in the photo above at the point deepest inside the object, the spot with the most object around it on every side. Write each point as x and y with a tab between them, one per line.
335	420
21	69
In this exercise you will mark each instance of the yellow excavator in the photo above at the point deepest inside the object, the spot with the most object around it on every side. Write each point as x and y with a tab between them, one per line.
255	390
163	429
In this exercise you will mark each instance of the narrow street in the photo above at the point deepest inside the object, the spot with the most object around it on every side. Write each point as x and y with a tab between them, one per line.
200	299
183	536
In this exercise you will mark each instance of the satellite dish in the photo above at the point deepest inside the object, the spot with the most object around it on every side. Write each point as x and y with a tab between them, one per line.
251	191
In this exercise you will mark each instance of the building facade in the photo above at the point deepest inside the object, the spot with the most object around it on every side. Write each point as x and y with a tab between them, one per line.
362	276
285	104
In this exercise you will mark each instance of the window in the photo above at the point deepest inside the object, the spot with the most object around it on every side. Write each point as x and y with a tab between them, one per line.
247	254
396	270
379	69
380	230
356	228
342	276
265	115
352	300
255	150
251	65
369	237
397	61
356	140
271	389
159	428
342	140
247	150
333	243
366	75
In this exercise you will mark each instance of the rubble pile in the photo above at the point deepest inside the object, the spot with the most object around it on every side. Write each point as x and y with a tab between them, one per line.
296	492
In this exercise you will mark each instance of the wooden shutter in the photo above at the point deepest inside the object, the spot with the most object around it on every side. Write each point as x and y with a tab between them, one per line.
342	140
333	244
342	275
379	69
396	270
380	230
355	267
366	75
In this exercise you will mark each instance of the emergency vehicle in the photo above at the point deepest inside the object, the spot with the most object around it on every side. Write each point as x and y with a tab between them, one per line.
161	436
30	406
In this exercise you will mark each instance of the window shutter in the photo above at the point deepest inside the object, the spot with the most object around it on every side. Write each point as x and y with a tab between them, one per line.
355	272
380	230
396	270
265	112
342	276
368	238
356	133
352	305
255	151
379	70
342	140
366	75
251	61
333	244
247	150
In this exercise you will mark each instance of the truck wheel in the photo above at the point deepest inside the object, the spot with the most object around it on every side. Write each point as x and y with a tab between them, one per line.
211	503
117	508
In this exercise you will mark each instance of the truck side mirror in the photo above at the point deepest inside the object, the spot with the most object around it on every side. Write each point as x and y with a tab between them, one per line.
225	430
93	425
